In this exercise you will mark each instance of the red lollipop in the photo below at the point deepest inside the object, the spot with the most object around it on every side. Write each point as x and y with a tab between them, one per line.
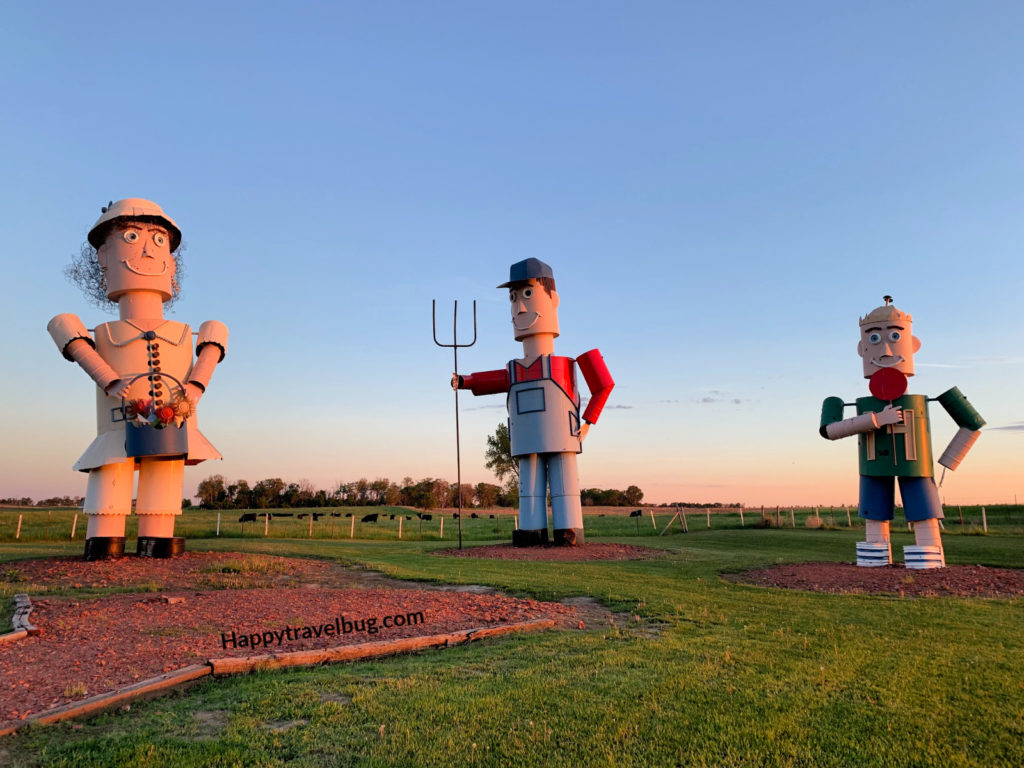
887	384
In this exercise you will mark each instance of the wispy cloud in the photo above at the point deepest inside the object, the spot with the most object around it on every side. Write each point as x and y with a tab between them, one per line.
618	407
485	407
719	396
1017	426
975	362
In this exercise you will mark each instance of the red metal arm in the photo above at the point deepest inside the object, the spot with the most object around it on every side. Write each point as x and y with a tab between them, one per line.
486	382
599	382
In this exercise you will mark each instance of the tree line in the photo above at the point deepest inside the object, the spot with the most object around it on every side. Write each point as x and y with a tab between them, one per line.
215	492
429	493
54	501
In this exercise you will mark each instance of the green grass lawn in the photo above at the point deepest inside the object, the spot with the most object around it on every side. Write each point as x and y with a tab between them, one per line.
706	673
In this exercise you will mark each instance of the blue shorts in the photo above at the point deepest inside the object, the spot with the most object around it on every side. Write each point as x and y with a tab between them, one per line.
920	498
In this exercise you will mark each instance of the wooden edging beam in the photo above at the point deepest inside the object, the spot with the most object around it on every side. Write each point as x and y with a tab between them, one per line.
155	686
238	666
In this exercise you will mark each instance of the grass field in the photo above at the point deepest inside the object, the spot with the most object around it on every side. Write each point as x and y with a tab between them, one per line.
706	673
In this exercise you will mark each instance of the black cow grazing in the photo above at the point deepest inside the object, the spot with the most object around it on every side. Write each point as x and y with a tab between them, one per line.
455	515
318	515
474	515
301	517
391	517
283	514
348	514
247	517
421	516
337	514
371	518
491	516
637	513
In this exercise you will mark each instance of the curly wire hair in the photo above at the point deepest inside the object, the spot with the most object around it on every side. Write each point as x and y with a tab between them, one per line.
84	271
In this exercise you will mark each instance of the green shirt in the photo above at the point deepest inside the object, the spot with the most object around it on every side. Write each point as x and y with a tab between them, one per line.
901	450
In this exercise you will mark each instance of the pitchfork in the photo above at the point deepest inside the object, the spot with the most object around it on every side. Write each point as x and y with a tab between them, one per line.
455	352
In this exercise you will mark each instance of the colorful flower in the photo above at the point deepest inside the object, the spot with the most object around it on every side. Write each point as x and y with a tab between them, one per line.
139	409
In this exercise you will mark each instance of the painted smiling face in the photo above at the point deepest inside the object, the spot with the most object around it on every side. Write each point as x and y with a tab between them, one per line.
136	256
886	341
534	310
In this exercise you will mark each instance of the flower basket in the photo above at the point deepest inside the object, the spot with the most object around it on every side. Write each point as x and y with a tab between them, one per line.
156	432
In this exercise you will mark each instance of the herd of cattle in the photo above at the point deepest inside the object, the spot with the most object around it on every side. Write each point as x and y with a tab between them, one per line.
251	517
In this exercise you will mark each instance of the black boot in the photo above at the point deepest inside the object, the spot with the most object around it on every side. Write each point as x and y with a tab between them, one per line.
524	538
160	547
104	548
568	537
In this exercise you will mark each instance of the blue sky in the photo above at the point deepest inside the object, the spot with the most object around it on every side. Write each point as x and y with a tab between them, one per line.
721	189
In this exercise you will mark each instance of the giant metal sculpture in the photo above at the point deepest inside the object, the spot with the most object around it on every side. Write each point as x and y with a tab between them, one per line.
544	424
147	384
895	441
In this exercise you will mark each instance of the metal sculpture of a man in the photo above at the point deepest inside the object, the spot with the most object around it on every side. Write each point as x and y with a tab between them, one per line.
546	430
894	441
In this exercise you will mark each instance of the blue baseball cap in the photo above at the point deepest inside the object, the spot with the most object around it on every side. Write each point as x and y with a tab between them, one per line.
527	269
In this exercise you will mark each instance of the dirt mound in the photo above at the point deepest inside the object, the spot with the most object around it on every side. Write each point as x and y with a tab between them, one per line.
846	578
200	606
587	551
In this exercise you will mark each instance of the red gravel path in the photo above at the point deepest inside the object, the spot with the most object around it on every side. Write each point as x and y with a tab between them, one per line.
587	551
90	645
845	578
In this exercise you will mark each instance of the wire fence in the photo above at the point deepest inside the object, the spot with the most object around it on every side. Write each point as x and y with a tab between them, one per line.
32	524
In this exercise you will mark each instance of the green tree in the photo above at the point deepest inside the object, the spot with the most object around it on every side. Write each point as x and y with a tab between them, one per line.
633	496
211	491
499	455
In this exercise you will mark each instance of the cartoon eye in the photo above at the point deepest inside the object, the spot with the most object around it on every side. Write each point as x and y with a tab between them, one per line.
130	236
159	239
894	335
527	293
874	337
512	296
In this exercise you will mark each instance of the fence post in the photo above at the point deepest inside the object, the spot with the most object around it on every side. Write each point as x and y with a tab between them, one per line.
311	525
400	519
682	516
218	523
74	524
654	525
961	510
17	534
46	534
352	528
266	523
984	520
778	516
792	518
442	528
849	522
709	516
742	524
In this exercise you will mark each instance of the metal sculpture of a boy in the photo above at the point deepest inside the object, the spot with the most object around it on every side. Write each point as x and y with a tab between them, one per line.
147	382
545	428
895	442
